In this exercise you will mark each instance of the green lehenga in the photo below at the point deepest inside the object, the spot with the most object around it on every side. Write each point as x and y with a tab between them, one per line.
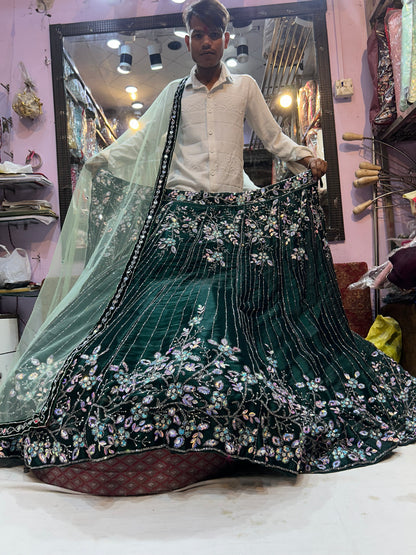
197	323
229	337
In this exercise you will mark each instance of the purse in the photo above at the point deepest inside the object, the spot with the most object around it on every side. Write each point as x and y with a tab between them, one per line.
14	267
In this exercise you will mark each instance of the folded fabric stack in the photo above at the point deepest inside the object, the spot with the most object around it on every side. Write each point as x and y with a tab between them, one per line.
23	209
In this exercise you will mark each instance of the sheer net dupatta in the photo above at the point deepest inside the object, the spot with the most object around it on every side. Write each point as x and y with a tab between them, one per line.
110	211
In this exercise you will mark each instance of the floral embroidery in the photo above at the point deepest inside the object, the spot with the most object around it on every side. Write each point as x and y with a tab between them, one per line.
256	229
205	403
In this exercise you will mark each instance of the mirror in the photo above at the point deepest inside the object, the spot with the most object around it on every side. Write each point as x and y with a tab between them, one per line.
287	53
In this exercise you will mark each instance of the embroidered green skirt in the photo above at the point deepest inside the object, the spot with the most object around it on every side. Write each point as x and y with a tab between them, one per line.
230	337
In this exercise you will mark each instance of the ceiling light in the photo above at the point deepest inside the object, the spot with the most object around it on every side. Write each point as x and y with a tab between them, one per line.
181	33
113	43
178	1
154	56
286	100
137	105
231	62
131	89
134	123
125	59
242	50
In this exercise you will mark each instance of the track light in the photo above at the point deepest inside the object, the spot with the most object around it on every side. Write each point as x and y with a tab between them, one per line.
242	26
242	50
125	59
154	56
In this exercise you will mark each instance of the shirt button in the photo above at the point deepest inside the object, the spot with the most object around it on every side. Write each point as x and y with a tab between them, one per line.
210	132
212	172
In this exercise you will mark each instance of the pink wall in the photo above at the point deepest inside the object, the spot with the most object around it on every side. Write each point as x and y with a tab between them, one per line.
25	37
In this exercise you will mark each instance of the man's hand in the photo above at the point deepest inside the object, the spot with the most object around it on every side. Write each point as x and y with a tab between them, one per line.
317	166
95	164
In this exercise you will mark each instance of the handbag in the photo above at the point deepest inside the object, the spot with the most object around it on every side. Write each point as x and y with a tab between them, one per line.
14	267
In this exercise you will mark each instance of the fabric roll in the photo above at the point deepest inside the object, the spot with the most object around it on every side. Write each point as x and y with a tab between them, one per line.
412	88
406	58
393	21
385	83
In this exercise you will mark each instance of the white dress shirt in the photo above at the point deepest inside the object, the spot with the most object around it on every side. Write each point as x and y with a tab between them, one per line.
209	147
208	153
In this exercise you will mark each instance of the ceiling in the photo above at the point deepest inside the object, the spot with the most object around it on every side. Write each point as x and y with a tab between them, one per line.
97	64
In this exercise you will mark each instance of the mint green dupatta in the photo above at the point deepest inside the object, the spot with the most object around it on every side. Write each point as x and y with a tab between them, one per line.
104	228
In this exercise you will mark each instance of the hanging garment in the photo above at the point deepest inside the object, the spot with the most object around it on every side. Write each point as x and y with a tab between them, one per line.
412	89
393	23
406	53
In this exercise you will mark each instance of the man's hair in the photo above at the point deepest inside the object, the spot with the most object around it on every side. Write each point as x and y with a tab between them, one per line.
211	12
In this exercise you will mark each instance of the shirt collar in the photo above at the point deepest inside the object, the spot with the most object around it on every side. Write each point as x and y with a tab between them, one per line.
225	77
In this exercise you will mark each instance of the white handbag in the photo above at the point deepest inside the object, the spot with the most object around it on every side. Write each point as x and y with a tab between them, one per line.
14	266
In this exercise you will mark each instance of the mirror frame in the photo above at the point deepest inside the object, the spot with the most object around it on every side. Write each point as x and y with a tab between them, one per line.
314	8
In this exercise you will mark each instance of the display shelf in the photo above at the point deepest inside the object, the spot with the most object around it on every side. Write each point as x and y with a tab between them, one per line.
377	8
403	128
22	180
32	291
99	110
32	218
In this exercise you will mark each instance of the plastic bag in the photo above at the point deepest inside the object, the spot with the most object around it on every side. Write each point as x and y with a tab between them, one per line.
377	277
26	103
14	267
386	335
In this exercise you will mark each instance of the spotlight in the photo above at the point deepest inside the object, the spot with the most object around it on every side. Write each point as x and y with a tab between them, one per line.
231	62
134	123
242	50
154	56
137	105
125	59
285	100
242	26
113	43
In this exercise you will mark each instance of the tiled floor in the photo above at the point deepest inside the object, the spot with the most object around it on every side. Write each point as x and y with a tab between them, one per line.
371	510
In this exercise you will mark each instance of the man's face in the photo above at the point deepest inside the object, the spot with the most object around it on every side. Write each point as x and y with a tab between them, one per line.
206	44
